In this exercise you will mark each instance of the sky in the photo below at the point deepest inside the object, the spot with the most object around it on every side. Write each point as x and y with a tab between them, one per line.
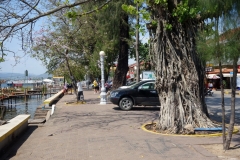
25	62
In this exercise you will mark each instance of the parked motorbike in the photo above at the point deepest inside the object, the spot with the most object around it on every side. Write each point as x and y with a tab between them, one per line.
208	92
108	87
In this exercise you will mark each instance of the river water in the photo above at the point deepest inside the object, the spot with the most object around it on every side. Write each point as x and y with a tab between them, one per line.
22	106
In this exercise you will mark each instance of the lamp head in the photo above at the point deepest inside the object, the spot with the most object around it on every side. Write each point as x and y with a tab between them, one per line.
102	53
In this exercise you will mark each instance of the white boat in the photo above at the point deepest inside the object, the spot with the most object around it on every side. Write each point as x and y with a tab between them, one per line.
48	81
21	83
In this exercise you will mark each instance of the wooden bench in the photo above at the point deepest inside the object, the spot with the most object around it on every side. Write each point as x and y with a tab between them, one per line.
48	102
12	129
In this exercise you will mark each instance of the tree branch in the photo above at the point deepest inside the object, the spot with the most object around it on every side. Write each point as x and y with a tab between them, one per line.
23	22
32	7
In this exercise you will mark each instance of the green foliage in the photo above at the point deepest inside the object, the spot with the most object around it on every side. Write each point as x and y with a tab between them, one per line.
2	60
232	46
184	11
105	7
161	2
154	22
145	15
66	2
142	13
71	14
129	9
168	26
205	45
143	52
213	46
138	1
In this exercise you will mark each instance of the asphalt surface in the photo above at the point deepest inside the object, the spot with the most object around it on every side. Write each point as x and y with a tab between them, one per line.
103	132
215	108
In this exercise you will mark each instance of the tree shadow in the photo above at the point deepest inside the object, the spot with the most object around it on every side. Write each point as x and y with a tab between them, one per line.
12	149
148	108
216	115
236	140
237	146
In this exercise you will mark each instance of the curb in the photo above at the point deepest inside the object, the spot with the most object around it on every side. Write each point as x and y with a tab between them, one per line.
235	130
230	92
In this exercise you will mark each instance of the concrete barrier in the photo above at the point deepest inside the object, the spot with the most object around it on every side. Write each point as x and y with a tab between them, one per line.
11	130
48	102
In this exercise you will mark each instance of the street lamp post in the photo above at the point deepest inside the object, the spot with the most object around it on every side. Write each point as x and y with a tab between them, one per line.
103	89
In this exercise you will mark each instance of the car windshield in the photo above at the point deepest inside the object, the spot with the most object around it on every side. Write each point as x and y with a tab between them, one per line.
131	83
137	84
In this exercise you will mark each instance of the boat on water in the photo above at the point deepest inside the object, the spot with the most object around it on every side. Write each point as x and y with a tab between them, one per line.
23	83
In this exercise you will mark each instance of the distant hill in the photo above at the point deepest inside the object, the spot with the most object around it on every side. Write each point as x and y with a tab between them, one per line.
13	76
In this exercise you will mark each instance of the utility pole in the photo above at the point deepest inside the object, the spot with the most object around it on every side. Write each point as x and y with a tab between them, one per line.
137	45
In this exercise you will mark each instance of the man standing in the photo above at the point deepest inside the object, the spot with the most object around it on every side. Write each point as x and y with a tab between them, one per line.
80	91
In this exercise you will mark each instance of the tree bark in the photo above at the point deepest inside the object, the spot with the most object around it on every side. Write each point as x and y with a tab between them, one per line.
179	74
233	95
74	82
223	107
122	63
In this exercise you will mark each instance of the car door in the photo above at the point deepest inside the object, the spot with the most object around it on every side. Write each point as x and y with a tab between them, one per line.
153	95
141	95
147	95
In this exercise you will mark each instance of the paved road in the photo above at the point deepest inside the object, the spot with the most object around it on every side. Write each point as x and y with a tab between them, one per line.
103	132
215	109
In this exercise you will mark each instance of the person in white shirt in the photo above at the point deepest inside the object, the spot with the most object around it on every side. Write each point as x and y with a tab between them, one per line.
210	85
80	91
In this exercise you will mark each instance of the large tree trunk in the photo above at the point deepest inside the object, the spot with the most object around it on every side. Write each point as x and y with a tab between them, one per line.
179	74
122	64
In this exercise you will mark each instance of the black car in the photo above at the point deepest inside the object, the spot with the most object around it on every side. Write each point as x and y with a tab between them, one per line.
141	93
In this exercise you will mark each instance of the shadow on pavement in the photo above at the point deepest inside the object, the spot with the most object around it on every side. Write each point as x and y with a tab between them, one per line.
216	115
140	109
92	101
236	139
11	150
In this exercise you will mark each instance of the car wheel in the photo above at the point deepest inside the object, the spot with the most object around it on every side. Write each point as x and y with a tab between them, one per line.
126	104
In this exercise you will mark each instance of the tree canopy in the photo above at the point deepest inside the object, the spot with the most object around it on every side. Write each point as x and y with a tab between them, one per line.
18	18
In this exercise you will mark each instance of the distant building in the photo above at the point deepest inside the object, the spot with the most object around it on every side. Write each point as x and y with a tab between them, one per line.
58	80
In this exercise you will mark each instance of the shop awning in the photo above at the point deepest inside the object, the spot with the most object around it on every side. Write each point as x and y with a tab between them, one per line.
230	75
212	76
216	76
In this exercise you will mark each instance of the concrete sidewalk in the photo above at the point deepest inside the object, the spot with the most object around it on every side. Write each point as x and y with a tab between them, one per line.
103	132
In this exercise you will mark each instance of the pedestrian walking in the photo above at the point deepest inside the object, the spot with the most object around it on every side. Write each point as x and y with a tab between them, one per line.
80	96
66	88
96	86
